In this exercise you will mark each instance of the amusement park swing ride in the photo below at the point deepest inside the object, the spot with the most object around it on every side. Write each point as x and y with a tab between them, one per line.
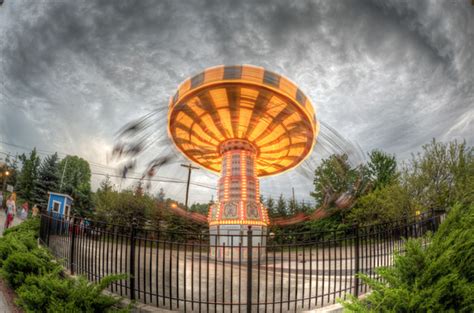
243	123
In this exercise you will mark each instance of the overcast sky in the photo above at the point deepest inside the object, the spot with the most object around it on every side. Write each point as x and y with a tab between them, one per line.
384	74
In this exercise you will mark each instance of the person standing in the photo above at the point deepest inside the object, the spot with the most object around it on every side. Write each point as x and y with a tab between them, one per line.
24	211
35	211
11	210
1	199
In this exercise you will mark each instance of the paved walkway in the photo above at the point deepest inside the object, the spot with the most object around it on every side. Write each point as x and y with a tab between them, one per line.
4	307
16	221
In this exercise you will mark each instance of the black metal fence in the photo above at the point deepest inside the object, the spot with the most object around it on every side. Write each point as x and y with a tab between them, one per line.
247	272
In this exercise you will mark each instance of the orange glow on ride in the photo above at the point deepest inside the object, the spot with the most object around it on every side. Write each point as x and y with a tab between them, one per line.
243	122
243	102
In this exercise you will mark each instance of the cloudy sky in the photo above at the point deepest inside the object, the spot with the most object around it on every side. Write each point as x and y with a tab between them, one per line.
384	74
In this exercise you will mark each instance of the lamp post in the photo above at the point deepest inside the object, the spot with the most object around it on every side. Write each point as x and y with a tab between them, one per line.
5	176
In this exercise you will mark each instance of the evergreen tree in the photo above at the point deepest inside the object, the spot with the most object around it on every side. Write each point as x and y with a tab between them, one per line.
270	204
281	206
26	180
292	207
48	180
202	208
106	184
304	207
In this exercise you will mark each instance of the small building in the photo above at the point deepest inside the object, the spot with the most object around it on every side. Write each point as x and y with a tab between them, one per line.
60	204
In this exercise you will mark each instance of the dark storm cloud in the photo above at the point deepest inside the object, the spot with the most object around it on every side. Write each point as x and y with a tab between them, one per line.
385	74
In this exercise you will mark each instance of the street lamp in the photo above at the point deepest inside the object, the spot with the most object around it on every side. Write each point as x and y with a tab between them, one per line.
5	176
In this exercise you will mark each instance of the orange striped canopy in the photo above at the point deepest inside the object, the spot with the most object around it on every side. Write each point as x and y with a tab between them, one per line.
243	102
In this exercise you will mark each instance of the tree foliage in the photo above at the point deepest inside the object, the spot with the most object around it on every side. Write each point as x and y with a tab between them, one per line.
10	165
337	184
436	178
281	209
122	207
106	185
441	175
383	205
26	180
270	205
75	180
202	208
381	168
48	180
438	277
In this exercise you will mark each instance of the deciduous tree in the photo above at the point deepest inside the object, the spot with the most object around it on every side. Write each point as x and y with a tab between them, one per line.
75	180
381	168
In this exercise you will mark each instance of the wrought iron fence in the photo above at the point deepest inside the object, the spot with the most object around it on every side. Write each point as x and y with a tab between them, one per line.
246	272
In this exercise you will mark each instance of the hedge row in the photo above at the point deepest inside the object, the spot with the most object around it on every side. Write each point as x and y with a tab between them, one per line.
39	281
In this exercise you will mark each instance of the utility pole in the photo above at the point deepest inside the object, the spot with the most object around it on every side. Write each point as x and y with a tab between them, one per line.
62	176
190	168
294	201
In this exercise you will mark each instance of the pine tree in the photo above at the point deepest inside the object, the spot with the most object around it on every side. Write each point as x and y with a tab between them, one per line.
106	184
26	180
48	180
281	206
270	204
292	207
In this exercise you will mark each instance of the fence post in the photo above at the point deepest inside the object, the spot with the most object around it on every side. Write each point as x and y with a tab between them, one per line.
133	233
433	220
249	269
356	263
71	248
48	230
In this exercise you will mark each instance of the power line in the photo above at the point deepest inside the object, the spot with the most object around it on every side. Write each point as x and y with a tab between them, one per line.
163	180
47	152
103	166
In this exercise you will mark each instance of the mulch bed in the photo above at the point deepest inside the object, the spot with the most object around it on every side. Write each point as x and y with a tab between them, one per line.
9	296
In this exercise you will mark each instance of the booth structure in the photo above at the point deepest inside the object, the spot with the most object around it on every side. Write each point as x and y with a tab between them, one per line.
60	204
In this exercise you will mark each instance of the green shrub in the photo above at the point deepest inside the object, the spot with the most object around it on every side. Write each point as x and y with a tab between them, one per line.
8	245
51	293
21	264
29	225
35	294
20	238
436	278
37	280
